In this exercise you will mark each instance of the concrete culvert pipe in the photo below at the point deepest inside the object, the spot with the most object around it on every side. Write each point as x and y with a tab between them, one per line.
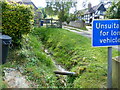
64	73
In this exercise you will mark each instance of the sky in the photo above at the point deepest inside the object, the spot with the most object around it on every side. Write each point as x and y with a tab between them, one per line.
42	3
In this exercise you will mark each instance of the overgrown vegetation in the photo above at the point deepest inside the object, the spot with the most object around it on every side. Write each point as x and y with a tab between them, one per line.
76	54
17	19
113	12
34	62
69	49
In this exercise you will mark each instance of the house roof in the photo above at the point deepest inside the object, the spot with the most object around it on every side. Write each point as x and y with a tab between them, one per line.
95	8
29	2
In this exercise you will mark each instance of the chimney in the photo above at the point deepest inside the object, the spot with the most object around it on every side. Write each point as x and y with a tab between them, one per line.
89	6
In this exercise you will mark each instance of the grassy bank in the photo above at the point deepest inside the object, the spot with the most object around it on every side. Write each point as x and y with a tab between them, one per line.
77	29
69	49
33	62
76	54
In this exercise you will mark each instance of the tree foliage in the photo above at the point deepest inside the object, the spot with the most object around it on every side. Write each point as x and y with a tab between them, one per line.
43	13
40	13
72	17
60	8
113	12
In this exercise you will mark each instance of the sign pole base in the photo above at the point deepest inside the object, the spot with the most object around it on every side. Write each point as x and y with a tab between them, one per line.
109	67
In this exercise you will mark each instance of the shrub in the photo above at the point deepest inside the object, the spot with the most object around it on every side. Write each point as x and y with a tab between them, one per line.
16	20
113	12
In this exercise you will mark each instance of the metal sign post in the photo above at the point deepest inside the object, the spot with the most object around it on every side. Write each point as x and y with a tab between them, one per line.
109	67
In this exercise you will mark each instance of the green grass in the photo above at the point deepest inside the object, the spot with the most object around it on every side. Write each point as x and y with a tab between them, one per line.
3	84
76	54
69	49
75	28
34	62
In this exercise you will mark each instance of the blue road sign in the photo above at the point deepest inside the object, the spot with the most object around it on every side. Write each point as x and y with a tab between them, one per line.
106	33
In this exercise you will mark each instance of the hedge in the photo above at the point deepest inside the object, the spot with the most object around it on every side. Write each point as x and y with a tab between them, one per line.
17	19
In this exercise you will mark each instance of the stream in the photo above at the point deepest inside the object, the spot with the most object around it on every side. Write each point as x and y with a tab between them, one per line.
61	78
58	66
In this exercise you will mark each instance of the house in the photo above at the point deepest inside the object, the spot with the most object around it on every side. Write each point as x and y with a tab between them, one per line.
95	12
26	2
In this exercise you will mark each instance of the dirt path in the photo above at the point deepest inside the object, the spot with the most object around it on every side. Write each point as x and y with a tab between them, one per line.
15	79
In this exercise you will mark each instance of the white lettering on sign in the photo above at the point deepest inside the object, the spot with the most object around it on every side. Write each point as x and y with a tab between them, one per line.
103	33
111	33
107	26
114	33
110	40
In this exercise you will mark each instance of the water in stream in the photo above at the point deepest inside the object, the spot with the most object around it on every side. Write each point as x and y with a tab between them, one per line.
58	66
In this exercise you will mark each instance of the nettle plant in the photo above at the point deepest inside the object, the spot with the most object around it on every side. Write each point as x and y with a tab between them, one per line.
17	19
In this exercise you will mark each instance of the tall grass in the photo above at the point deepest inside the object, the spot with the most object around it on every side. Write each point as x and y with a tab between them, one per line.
34	62
69	49
76	54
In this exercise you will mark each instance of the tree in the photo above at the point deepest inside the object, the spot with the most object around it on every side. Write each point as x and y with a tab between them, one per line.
44	13
60	8
114	0
40	13
49	10
72	17
113	12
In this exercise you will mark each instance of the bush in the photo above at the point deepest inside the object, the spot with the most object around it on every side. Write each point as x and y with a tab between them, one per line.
16	20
